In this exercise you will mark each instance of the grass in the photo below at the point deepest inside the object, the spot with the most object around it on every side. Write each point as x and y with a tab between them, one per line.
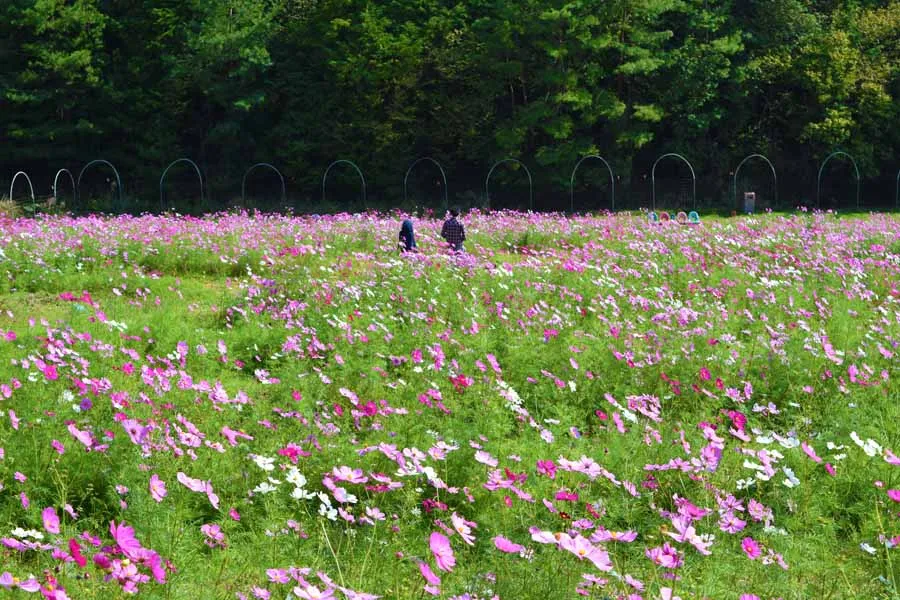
313	333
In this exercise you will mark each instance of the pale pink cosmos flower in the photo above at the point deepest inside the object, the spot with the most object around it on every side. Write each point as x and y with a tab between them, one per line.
485	458
311	592
157	488
584	550
443	553
261	593
604	535
543	537
215	537
349	475
665	556
667	594
463	528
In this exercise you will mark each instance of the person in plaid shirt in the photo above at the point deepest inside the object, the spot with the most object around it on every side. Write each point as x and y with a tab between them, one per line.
453	231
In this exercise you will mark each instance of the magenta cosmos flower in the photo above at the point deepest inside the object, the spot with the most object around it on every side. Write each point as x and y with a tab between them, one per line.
751	548
443	553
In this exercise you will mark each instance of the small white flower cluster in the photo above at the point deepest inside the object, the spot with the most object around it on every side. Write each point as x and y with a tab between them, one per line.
20	533
870	446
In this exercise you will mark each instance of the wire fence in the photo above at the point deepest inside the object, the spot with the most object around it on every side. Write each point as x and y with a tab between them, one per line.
671	184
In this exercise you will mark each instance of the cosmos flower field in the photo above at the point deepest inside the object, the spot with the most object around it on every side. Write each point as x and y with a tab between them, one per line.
252	406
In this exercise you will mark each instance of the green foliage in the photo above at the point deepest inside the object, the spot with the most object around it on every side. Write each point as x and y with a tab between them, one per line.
302	82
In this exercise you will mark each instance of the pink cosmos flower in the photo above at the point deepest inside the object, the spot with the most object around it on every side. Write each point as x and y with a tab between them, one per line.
311	592
51	520
584	550
157	488
730	523
894	495
463	528
485	458
443	553
84	437
810	452
543	537
428	575
349	475
504	545
665	556
215	537
751	548
604	535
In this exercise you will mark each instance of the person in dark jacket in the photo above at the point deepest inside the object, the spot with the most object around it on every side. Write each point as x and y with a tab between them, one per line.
407	237
453	231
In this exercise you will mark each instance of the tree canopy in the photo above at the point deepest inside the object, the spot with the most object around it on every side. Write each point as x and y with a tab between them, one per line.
301	83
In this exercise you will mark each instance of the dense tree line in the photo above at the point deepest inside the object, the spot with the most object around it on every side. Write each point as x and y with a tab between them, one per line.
299	83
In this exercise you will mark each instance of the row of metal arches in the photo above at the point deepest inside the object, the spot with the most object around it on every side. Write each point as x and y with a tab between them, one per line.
76	184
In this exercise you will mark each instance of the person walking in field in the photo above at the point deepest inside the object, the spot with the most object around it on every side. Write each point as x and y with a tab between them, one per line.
407	237
453	231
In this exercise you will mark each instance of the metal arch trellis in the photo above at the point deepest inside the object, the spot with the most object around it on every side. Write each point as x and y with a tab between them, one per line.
653	179
358	170
267	165
612	180
487	180
56	183
162	179
30	187
104	162
822	169
440	168
738	170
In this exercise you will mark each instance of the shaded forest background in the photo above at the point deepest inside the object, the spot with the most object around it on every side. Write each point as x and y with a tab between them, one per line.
300	83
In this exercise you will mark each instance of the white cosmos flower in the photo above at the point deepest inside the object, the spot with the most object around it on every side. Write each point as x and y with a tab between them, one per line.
264	488
791	480
264	462
295	477
301	494
328	512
